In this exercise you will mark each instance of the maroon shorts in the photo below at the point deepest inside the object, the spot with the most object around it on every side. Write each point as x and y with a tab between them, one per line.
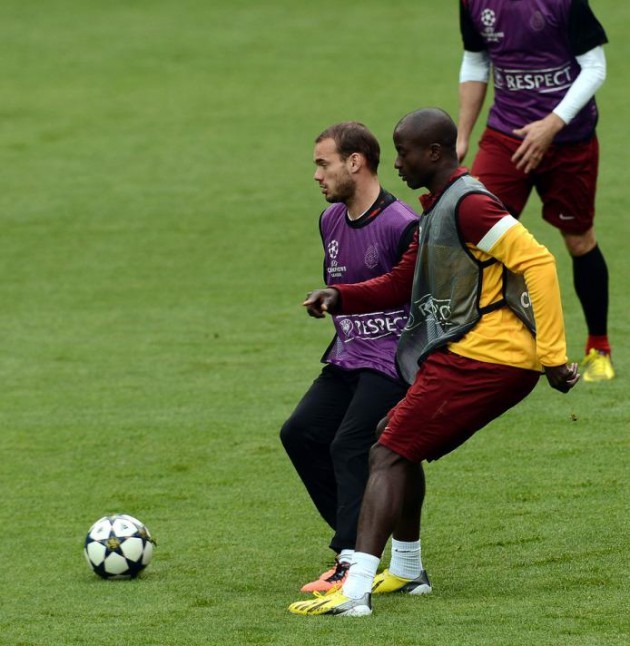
451	399
565	179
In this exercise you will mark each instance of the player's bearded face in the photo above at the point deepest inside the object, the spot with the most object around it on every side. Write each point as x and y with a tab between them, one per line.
332	173
341	187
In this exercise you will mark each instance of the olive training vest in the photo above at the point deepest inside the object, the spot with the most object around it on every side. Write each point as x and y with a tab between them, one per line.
447	284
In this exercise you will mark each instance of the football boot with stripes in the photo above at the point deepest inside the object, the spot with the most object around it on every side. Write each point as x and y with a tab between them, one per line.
387	582
334	603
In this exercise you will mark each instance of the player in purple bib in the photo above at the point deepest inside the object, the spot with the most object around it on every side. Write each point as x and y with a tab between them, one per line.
356	250
364	232
547	62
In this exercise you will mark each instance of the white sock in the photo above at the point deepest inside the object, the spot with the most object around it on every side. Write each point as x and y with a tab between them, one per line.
405	562
345	556
360	575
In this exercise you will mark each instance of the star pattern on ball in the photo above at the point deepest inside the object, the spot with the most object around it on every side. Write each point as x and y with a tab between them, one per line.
118	547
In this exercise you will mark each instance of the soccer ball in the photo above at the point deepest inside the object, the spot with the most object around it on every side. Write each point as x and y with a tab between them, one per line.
118	547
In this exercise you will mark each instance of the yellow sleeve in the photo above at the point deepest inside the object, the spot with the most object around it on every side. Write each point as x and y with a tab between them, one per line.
522	254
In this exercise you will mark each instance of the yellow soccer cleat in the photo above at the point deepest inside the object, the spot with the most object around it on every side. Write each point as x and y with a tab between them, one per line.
334	603
597	366
387	582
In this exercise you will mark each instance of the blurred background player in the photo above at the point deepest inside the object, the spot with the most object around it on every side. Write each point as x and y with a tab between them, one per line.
548	62
365	231
468	350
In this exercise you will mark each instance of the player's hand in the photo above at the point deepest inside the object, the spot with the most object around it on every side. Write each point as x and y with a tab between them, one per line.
537	137
563	377
462	148
320	301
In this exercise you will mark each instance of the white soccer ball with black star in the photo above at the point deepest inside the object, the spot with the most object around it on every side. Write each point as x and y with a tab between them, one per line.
118	547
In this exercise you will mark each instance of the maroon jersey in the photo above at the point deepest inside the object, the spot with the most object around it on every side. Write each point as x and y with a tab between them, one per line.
532	45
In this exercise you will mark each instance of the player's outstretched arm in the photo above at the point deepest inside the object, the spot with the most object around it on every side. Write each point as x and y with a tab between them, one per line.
563	377
320	301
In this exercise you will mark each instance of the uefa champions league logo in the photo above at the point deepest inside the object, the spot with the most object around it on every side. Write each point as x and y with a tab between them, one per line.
488	20
334	269
488	17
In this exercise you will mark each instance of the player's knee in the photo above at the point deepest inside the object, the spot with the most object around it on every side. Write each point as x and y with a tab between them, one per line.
292	433
580	244
382	458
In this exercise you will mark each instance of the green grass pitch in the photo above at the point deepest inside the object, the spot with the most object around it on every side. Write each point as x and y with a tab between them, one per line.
158	233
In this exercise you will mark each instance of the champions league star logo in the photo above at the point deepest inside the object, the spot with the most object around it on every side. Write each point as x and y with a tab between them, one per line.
333	249
488	17
333	268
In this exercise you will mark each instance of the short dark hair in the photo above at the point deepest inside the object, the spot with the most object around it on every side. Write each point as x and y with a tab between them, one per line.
353	137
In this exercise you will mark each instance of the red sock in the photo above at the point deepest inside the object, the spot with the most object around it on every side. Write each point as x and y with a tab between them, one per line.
600	343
